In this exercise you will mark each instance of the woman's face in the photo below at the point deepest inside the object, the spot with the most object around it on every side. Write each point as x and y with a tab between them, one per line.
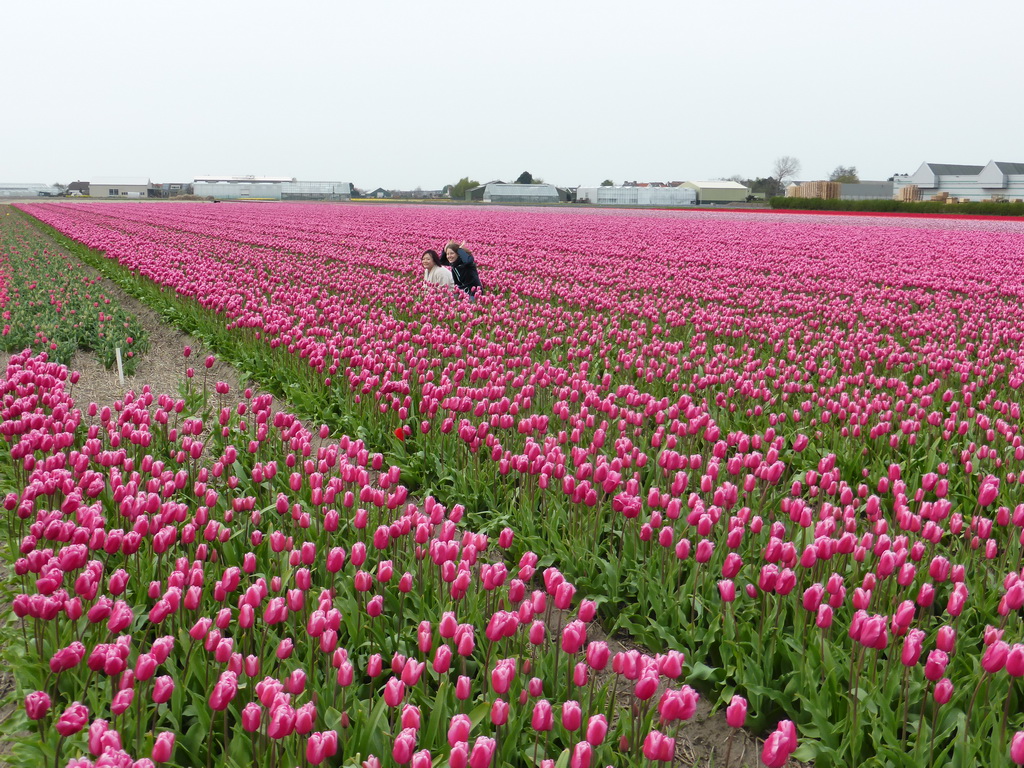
428	262
452	255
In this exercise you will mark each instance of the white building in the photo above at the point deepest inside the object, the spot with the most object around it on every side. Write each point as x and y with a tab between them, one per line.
269	188
316	190
671	196
967	182
718	192
237	190
27	190
499	192
119	186
1003	179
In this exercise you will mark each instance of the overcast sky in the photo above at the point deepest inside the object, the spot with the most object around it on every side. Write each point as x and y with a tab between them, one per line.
405	94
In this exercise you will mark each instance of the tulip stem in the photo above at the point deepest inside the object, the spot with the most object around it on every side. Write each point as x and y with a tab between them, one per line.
854	740
921	720
970	706
728	747
931	738
906	708
139	717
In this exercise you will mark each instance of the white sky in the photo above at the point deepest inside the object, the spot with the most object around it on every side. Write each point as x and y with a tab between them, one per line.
402	94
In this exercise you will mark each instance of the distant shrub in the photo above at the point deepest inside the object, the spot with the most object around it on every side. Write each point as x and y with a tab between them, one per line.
897	206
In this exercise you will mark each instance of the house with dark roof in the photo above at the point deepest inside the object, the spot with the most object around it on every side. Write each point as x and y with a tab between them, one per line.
997	180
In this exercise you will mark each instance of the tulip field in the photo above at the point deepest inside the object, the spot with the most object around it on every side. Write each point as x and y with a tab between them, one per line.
770	462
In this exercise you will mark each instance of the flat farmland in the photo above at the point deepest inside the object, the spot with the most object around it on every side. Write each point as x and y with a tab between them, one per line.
772	463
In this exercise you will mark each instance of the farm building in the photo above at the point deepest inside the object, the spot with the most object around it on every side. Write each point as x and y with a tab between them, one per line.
866	190
499	192
717	192
120	186
237	190
637	195
834	190
269	188
997	180
27	190
316	190
170	189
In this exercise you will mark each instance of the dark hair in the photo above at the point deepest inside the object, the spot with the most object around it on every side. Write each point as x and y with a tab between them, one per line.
433	255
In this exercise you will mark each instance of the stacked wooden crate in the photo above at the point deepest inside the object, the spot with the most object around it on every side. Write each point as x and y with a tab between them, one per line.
825	190
910	193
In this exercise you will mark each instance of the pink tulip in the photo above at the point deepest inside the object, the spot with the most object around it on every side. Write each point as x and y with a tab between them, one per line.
163	687
483	752
988	491
459	756
582	754
1017	748
251	717
572	715
163	748
37	704
995	656
394	692
597	729
282	722
72	719
122	701
542	719
403	747
736	712
943	691
775	752
659	747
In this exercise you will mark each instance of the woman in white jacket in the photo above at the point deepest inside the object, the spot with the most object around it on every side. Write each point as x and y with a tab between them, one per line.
434	270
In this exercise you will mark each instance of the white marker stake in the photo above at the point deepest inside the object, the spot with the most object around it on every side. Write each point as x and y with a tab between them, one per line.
120	367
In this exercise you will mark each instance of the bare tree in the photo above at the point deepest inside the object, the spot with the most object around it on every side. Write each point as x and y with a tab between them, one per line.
785	167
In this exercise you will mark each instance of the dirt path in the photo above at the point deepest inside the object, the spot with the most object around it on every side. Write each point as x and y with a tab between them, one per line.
162	368
702	741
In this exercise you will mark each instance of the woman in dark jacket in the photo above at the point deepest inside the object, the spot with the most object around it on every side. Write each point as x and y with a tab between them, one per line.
463	268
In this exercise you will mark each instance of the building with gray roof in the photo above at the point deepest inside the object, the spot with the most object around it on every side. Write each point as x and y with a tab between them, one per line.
997	180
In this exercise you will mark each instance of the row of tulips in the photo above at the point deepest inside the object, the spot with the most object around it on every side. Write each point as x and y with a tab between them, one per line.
50	302
853	460
181	603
